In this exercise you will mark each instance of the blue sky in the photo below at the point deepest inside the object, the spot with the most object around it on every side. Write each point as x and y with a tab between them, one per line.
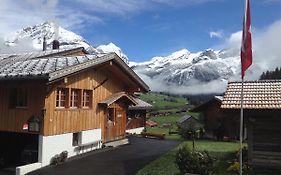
145	28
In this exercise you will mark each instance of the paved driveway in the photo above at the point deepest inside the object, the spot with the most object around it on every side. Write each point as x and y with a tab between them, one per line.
123	160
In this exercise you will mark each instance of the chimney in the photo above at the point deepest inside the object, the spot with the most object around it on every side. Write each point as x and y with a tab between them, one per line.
56	44
44	43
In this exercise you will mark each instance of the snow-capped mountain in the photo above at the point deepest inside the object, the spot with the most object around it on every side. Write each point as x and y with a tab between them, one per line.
31	38
185	72
181	72
112	48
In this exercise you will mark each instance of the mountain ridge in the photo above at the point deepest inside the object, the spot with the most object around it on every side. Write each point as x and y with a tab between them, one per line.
180	72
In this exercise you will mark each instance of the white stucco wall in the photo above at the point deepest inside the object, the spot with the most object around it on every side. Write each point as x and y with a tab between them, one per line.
49	146
90	136
135	130
22	170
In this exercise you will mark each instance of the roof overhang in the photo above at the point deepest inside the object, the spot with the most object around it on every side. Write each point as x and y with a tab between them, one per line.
117	96
57	75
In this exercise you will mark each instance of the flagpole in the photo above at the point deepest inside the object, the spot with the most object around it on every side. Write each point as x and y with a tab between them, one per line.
241	129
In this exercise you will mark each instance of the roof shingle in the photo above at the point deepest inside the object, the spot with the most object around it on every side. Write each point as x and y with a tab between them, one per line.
262	94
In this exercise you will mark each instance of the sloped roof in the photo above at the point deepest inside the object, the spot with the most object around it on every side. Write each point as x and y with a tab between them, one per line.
53	67
184	118
39	54
203	106
262	94
114	97
140	105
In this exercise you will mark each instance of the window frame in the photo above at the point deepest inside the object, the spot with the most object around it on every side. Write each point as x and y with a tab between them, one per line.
59	96
19	98
75	99
87	99
75	138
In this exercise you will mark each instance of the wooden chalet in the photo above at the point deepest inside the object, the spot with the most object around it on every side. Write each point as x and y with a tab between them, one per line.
217	123
136	120
189	123
63	100
262	110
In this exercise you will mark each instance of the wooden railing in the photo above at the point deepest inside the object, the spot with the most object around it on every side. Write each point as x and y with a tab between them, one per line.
135	123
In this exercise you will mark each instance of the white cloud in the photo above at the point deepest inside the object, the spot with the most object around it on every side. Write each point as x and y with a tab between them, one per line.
74	14
216	34
266	48
234	40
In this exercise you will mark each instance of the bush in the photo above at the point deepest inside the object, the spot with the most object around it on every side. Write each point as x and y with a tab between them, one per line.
193	161
235	164
59	158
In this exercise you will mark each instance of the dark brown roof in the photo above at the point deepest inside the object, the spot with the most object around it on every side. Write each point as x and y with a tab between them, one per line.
141	105
204	106
114	97
262	94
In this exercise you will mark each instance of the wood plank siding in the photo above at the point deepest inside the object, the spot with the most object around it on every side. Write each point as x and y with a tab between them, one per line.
265	140
71	120
136	119
13	117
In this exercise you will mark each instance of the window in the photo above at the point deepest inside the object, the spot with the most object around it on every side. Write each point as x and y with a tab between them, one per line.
18	97
87	99
75	98
62	98
110	116
75	139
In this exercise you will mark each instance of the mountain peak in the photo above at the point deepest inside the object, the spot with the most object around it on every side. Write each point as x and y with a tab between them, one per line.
180	53
111	47
31	38
35	34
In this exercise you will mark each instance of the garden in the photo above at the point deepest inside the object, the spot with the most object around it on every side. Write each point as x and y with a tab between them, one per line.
207	156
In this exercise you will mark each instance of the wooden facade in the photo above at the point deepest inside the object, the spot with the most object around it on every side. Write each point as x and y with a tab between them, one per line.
262	108
218	123
12	117
136	119
264	141
58	112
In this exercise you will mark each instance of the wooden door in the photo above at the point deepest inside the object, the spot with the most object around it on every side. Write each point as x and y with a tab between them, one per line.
115	124
120	124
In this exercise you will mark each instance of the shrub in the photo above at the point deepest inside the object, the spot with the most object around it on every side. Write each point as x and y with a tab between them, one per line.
235	164
193	161
59	158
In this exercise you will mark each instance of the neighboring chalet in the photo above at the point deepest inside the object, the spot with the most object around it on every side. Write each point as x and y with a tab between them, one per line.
136	120
189	123
63	100
262	111
217	123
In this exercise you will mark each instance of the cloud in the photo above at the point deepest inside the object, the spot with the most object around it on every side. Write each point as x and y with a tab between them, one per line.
194	87
266	56
216	34
76	14
266	50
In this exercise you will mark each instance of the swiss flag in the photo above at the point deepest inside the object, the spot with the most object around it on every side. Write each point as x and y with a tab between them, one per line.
246	48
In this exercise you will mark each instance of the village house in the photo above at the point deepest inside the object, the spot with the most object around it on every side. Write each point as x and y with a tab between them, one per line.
63	100
262	109
136	120
218	124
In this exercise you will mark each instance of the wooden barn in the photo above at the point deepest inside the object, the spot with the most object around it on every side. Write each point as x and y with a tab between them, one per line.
217	122
262	110
62	100
189	123
136	120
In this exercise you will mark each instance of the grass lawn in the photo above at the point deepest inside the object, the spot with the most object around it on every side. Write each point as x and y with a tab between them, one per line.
221	151
164	103
171	119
